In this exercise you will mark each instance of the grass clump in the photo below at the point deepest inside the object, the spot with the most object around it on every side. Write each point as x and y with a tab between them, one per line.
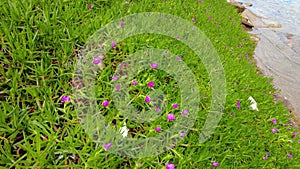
40	44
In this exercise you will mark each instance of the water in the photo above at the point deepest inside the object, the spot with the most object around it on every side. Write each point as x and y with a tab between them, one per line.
278	51
285	12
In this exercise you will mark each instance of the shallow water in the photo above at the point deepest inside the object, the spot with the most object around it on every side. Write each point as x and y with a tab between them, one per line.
278	51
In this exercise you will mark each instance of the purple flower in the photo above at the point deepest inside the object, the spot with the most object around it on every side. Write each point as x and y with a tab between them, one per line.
178	57
122	24
193	19
238	104
201	1
232	113
275	96
293	134
113	44
148	99
170	166
157	109
209	17
184	112
176	37
134	83
150	84
157	129
105	103
265	157
175	105
274	102
107	146
97	61
171	117
261	73
274	121
90	6
115	78
268	153
298	141
121	65
239	57
274	130
118	87
181	134
290	156
165	51
215	164
154	66
65	99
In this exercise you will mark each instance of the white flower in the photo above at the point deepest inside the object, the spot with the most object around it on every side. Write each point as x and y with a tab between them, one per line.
253	105
124	130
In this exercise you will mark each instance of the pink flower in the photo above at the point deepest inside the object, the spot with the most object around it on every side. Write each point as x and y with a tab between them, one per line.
215	164
201	1
170	166
134	83
157	129
274	121
184	112
175	105
157	109
193	19
105	103
154	66
107	146
115	78
148	99
113	44
265	157
90	6
178	57
274	130
238	104
290	156
122	24
97	61
118	87
151	84
176	37
66	99
181	134
171	117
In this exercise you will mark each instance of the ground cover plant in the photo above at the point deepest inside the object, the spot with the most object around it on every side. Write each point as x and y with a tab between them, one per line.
39	128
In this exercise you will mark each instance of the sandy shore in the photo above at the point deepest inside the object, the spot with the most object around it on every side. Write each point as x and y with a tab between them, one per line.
277	54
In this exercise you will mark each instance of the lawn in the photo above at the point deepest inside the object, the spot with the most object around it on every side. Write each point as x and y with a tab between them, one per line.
45	95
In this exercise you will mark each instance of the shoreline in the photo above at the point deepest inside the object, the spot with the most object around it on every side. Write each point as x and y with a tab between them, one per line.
254	24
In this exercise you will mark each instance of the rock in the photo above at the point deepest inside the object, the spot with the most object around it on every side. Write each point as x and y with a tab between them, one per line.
238	5
249	4
246	22
254	38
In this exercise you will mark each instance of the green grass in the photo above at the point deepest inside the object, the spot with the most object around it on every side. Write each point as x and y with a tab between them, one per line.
40	41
